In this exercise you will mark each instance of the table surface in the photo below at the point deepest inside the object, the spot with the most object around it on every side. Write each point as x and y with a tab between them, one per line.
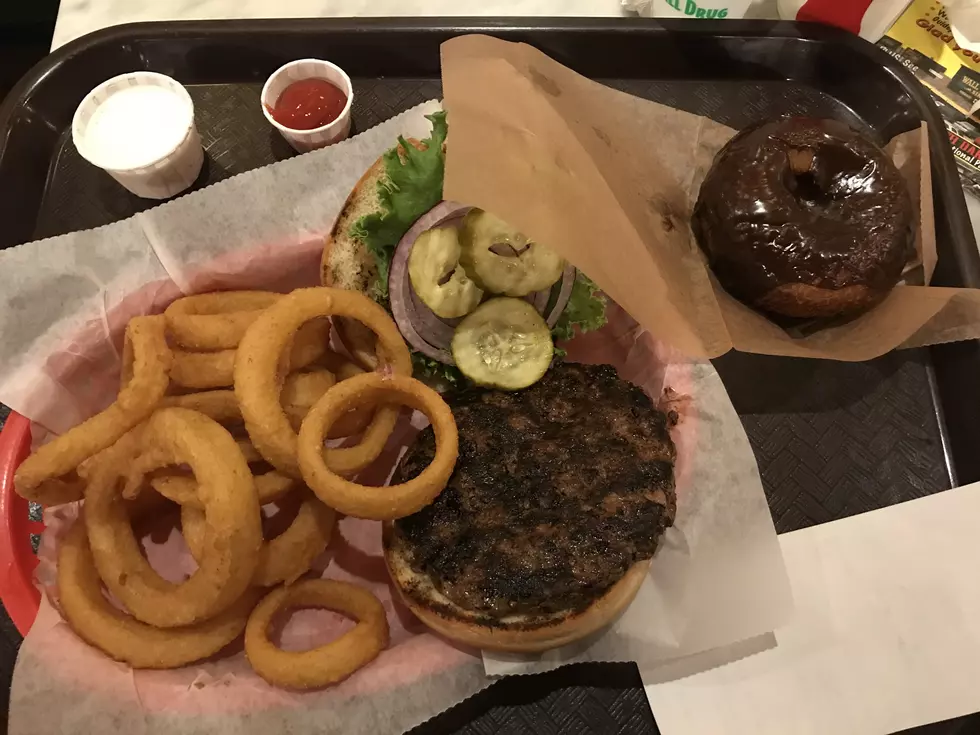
78	17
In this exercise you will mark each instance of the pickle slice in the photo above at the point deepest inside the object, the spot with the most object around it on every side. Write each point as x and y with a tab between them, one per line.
502	260
503	344
437	277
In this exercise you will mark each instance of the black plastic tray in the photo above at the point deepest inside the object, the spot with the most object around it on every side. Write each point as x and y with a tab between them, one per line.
832	439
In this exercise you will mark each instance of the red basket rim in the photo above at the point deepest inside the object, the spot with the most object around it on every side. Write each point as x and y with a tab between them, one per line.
18	594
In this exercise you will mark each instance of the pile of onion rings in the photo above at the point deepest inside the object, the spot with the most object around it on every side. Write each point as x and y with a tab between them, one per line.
226	406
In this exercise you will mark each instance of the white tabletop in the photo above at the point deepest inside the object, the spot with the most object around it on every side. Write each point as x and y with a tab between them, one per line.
884	638
78	17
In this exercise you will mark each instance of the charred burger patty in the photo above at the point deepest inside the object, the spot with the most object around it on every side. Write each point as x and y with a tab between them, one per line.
558	491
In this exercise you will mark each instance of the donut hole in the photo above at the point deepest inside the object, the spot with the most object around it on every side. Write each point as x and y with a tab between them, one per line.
824	174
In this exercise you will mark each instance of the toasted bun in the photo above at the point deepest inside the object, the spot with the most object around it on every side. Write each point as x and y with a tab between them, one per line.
347	264
512	633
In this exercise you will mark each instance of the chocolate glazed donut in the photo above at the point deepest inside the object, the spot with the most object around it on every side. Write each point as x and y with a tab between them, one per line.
804	217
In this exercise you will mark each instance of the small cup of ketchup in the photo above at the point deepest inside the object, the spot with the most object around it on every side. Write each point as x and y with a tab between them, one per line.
309	102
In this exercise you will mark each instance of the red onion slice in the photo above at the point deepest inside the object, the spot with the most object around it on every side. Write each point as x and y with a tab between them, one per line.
539	300
423	330
434	328
564	294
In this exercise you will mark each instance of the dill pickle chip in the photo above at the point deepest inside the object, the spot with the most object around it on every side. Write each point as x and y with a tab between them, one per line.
438	279
503	344
503	261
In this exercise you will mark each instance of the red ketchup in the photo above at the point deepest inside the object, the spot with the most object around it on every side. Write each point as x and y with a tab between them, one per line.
308	104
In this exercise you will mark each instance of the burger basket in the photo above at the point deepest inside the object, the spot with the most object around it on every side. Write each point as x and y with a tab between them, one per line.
831	438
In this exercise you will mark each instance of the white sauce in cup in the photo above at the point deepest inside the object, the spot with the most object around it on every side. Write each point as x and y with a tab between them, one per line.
139	127
136	126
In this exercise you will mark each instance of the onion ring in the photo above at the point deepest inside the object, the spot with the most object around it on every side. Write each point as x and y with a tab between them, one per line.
269	486
326	664
301	390
306	388
215	321
125	639
249	452
360	341
357	420
179	436
203	370
122	452
388	503
350	460
148	505
340	365
312	340
180	487
47	475
284	558
220	405
257	382
142	463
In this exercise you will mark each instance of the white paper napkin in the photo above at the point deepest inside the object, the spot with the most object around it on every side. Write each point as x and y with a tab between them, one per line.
886	634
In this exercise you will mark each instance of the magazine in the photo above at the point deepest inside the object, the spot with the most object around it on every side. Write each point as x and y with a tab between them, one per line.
921	39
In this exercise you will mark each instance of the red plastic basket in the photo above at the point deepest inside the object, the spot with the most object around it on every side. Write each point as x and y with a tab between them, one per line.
17	558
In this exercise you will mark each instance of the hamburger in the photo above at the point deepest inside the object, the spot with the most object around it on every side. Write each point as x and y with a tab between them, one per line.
545	531
436	266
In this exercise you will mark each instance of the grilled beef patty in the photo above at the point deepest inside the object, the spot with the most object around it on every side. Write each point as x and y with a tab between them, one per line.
558	490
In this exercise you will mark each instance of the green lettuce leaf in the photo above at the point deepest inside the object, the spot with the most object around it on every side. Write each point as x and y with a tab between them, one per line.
434	374
412	187
586	311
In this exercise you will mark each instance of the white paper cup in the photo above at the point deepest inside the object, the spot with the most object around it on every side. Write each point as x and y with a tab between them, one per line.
155	156
294	71
706	9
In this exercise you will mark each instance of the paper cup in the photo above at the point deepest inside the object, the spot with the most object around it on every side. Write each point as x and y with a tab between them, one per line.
698	9
294	71
139	128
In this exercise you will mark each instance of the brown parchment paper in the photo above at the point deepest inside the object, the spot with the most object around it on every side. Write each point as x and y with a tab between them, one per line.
609	180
